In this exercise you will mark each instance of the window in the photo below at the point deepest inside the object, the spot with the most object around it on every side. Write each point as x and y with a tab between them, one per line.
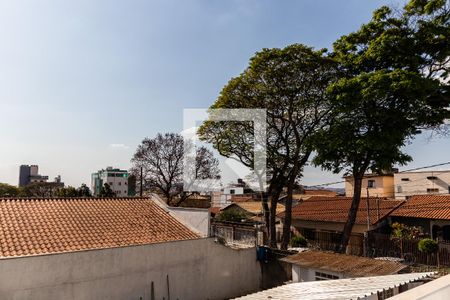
110	184
432	191
431	177
371	183
120	183
399	189
325	276
405	179
231	192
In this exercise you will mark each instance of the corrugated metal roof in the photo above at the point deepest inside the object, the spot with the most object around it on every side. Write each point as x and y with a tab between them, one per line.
425	206
351	266
352	288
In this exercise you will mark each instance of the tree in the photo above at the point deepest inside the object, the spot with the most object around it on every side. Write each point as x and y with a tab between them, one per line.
70	191
232	215
394	69
290	83
161	159
7	190
106	191
84	191
40	189
132	185
401	232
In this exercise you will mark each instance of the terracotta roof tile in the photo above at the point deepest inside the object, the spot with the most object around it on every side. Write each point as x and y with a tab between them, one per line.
425	206
254	207
335	209
40	226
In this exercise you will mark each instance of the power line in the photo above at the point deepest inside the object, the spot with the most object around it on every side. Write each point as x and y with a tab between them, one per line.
404	171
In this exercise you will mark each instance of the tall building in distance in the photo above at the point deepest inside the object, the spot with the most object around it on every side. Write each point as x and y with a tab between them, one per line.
117	180
30	174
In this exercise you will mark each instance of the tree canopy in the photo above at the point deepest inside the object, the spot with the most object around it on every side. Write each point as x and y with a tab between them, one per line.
290	83
393	85
161	159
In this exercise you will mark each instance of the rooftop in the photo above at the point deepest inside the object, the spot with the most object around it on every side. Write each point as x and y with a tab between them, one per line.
253	207
36	226
335	209
351	288
425	206
349	265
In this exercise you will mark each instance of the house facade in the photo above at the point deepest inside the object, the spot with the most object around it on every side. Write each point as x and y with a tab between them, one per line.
408	184
321	220
430	212
373	185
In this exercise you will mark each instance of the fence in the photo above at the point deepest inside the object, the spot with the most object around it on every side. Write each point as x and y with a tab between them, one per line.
330	241
381	245
234	233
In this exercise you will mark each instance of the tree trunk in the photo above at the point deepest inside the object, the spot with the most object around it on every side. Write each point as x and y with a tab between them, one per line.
266	214
351	218
273	211
287	215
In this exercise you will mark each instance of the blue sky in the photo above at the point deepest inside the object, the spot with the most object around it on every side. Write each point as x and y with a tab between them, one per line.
83	82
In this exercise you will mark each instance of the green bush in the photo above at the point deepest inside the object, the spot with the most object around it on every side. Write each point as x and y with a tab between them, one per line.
428	246
299	241
231	215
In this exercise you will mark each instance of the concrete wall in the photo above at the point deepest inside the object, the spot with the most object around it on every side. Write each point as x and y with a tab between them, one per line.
197	219
196	269
417	183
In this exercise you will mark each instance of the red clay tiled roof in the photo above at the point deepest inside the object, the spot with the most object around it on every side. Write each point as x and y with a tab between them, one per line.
335	209
320	193
425	206
42	226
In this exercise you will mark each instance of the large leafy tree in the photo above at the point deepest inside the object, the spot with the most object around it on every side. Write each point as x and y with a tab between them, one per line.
7	190
393	86
290	84
161	160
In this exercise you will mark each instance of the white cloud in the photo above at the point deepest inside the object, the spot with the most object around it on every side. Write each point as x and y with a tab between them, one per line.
119	146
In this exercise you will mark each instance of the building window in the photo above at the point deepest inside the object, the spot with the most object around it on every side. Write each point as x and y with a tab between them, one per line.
110	184
431	177
120	183
432	191
231	192
325	276
371	184
399	189
405	179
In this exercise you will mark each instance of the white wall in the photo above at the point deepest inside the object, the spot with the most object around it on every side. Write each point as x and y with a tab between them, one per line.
438	289
198	219
301	274
197	269
418	183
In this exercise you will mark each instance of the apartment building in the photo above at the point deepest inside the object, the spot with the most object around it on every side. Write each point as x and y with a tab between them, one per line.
373	185
117	180
408	184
